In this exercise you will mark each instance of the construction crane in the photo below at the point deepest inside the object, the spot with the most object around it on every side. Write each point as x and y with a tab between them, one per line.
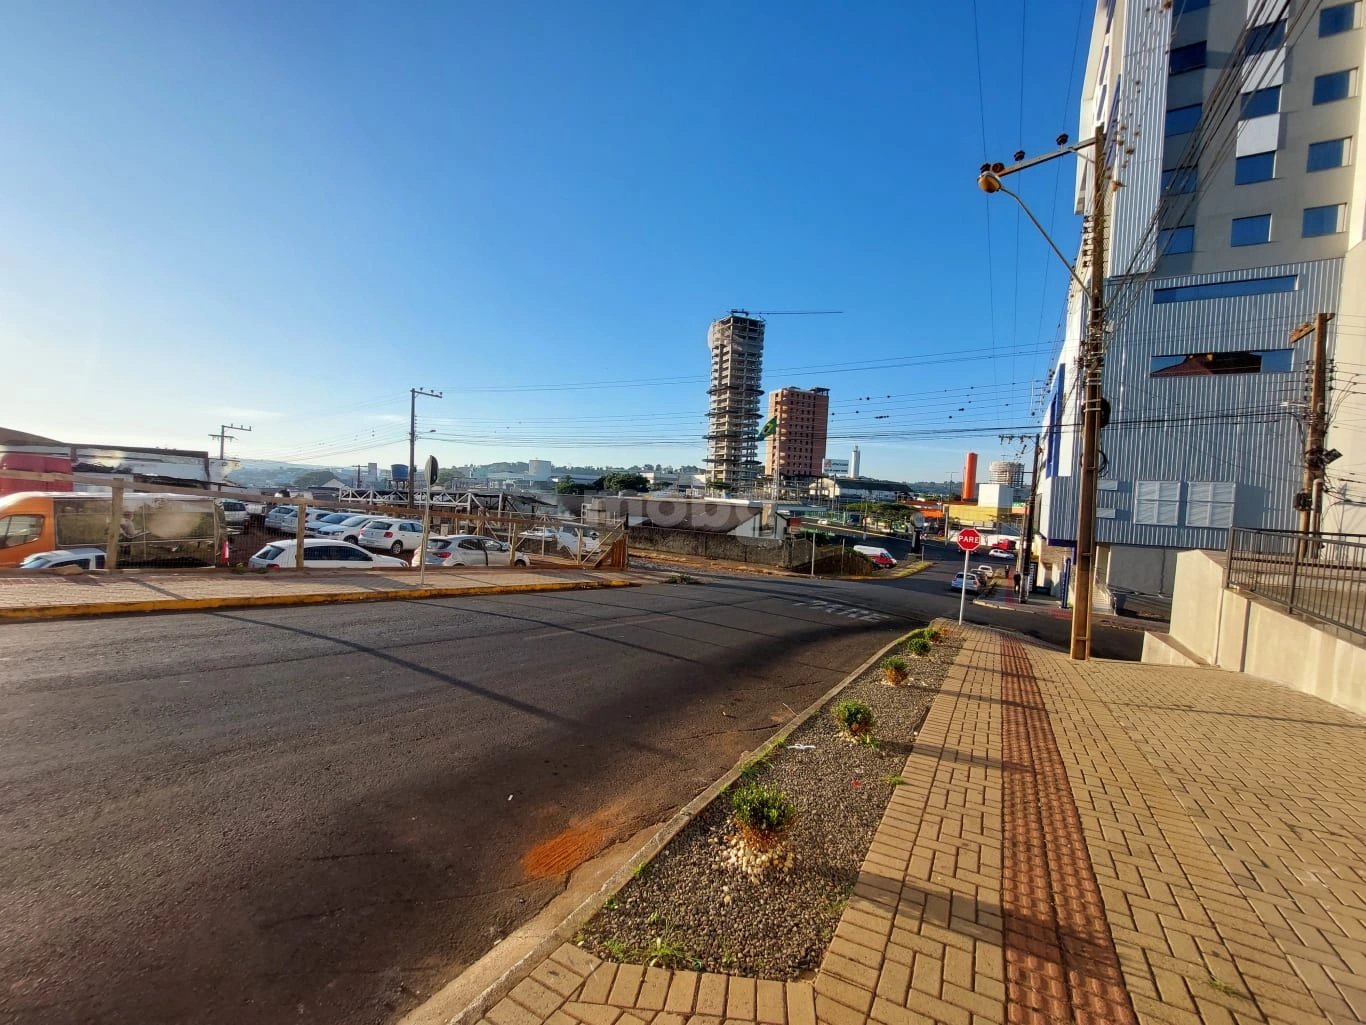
785	313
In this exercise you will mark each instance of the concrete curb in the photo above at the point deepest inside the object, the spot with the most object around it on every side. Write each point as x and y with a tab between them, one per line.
111	608
900	574
526	961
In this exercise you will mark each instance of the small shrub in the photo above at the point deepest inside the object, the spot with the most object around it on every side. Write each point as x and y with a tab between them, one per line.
616	950
763	814
681	578
919	646
611	903
855	718
934	633
894	669
664	952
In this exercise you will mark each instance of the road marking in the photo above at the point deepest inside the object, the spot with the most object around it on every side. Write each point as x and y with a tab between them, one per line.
835	608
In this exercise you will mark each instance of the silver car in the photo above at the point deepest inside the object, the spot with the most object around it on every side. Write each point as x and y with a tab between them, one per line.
471	550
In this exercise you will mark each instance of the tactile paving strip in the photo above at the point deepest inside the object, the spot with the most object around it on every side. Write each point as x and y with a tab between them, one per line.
1061	963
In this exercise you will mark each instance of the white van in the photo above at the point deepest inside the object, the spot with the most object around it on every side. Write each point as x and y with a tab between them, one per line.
880	557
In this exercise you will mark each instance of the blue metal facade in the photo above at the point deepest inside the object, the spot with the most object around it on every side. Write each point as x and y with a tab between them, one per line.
1241	429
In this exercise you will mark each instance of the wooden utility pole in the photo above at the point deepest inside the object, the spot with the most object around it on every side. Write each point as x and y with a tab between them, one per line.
1089	366
1311	498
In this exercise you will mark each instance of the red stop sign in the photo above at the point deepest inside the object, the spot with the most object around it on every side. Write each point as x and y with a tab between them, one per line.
969	540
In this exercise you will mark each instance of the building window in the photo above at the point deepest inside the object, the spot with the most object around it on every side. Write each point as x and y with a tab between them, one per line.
1181	7
1157	502
1324	156
1180	180
1324	220
1226	289
1261	103
1264	38
1210	364
1337	85
1181	120
1255	167
1251	231
1176	240
1210	503
1338	18
1186	58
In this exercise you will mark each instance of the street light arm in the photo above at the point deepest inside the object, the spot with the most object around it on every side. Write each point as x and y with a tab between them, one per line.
1051	244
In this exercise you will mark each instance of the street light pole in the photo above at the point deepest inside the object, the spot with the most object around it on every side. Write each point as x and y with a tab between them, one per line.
412	440
1089	365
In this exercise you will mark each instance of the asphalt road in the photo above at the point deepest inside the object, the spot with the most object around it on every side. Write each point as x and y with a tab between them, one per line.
323	813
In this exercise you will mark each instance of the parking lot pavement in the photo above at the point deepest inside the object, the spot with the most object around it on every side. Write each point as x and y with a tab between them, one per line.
35	596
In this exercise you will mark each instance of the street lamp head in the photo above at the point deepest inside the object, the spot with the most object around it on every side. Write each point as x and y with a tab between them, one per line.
989	182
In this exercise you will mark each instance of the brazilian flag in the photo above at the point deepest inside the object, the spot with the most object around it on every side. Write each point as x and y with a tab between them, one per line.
770	429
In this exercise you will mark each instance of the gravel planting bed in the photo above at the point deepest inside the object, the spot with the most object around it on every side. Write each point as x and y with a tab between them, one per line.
685	909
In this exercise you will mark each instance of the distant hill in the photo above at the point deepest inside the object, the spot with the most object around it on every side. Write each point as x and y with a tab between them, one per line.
260	473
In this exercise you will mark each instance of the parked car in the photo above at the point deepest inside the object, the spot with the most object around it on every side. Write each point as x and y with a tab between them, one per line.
234	514
79	558
312	526
575	540
539	534
471	550
320	553
966	581
394	536
986	571
347	529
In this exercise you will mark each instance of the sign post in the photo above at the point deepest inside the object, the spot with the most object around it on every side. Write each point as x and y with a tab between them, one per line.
968	540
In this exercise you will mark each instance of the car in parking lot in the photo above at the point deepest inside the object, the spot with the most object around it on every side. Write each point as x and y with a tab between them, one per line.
320	553
539	534
471	550
284	518
348	528
73	558
966	582
235	513
392	535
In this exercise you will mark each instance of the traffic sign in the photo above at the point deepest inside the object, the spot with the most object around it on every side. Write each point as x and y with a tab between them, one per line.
969	540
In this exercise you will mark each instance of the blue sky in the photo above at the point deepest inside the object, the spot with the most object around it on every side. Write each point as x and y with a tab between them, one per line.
286	215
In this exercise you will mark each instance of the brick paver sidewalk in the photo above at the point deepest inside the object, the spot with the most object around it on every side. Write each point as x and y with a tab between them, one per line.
1095	843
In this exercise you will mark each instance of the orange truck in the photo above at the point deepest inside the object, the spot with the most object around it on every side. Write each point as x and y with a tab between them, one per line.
162	530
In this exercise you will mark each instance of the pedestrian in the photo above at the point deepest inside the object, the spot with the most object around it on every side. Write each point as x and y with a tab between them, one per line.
1019	592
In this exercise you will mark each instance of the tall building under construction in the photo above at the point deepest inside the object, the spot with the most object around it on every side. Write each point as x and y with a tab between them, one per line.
737	357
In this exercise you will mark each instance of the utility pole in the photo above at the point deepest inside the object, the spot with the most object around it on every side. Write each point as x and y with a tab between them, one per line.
1089	362
1310	501
1090	365
412	439
223	437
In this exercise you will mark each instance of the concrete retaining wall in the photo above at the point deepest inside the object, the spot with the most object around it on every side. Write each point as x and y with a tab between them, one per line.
701	543
1246	634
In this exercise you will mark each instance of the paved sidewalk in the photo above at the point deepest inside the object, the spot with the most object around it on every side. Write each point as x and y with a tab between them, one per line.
33	596
1100	843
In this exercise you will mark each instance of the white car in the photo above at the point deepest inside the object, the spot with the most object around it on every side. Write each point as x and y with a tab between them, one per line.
346	529
79	558
539	534
471	550
235	513
320	553
391	535
968	582
312	524
575	540
284	518
1001	553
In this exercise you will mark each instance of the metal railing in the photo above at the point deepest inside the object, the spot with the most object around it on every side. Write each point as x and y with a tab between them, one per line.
1322	576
